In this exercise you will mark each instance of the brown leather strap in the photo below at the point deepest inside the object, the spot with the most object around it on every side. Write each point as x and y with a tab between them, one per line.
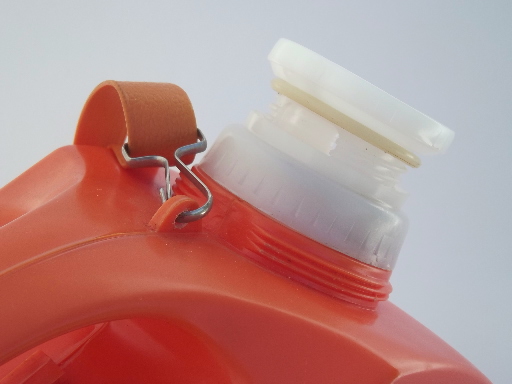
157	117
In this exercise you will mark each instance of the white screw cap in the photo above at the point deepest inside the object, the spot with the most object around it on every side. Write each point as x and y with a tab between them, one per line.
358	99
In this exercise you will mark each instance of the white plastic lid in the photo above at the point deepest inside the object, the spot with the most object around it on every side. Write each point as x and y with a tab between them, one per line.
358	99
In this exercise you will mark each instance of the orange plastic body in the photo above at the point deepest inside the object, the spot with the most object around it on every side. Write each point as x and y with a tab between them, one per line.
95	287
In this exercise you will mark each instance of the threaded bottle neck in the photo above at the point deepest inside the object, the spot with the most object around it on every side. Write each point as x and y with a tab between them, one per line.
299	185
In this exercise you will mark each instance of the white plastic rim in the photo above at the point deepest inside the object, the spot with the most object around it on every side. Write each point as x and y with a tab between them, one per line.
358	99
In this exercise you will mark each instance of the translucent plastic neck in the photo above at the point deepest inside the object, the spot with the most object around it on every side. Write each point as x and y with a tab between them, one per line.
331	151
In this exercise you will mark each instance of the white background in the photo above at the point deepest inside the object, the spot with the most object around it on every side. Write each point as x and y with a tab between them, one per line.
449	59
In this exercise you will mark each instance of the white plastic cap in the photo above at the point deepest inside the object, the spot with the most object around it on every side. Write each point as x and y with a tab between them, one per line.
328	183
358	99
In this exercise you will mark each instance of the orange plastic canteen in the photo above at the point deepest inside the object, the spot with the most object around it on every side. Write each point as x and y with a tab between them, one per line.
101	282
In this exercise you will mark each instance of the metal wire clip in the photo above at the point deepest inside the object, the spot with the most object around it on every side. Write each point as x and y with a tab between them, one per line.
159	161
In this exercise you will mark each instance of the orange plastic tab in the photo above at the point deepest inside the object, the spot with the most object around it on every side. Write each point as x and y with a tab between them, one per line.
164	220
157	117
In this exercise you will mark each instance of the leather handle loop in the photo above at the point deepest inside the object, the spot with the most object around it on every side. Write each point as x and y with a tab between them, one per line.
158	118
